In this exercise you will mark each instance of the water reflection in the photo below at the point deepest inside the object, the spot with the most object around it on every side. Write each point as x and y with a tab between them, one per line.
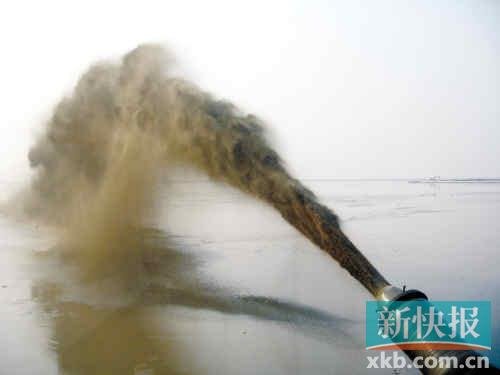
106	326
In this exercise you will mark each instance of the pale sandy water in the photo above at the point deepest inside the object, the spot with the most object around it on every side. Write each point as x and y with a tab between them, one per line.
241	292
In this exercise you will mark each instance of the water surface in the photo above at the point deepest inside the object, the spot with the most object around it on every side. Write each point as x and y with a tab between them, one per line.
229	287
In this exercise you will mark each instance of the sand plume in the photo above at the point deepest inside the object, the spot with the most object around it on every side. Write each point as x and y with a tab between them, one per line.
128	120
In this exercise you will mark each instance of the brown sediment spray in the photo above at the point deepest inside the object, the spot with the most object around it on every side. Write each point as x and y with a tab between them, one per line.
104	146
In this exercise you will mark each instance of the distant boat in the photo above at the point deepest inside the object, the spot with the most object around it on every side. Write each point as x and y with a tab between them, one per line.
428	180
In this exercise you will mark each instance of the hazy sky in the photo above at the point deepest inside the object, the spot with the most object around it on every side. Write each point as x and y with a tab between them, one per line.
350	88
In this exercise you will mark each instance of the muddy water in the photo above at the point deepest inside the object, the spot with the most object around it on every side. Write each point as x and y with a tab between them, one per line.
231	288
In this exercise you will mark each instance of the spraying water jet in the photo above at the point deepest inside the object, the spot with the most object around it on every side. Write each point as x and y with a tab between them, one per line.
128	120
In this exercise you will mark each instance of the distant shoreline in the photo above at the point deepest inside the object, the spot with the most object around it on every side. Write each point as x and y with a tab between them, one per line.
454	180
409	180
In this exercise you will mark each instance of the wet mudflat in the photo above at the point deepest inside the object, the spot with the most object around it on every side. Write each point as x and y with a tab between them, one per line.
224	285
